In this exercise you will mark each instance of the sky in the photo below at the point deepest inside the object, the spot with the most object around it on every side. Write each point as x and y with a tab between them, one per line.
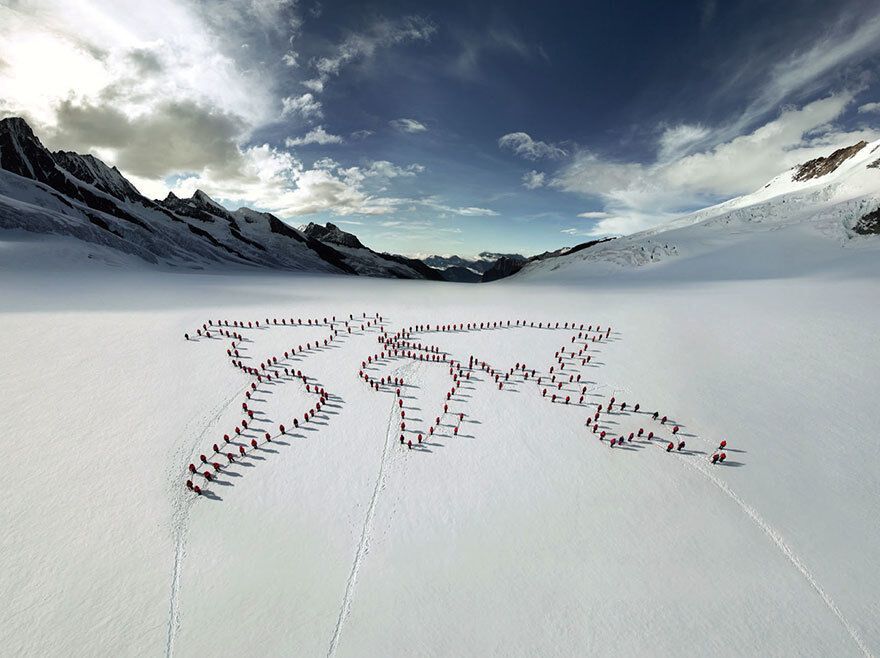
453	127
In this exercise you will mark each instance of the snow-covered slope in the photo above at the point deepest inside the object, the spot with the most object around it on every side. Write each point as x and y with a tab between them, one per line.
78	196
805	217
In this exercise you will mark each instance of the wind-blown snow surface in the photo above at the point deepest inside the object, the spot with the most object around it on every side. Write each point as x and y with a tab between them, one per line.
524	535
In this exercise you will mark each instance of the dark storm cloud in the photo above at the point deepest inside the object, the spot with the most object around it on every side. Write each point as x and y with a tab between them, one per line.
172	137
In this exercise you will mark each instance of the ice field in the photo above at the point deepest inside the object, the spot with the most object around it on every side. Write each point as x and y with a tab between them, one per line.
522	535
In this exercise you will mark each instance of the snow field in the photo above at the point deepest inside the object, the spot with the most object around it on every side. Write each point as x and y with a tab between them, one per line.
524	534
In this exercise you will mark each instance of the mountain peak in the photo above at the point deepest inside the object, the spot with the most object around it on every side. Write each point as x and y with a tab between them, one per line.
22	153
95	172
825	165
332	234
18	125
202	200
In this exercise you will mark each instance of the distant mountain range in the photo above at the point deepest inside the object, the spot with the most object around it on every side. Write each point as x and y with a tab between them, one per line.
65	193
68	194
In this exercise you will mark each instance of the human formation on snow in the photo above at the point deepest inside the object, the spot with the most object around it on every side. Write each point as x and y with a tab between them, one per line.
561	383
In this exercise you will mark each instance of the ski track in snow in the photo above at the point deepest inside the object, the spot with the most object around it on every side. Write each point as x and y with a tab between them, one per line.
367	531
787	551
775	536
180	524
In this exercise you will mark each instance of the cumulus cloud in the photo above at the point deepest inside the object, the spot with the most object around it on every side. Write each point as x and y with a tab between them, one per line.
172	93
315	136
407	125
532	180
305	105
869	107
150	88
639	195
361	134
278	182
387	170
594	214
191	136
314	84
124	52
523	145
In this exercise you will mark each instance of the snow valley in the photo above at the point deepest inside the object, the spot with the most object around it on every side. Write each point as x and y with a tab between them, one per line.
228	435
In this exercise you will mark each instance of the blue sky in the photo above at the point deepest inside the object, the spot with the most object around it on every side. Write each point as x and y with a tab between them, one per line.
451	127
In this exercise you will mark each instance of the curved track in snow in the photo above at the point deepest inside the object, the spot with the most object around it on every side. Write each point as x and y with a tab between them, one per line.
366	532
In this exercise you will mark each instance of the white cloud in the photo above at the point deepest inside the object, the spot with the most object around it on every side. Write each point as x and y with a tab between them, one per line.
523	145
361	46
466	211
315	136
361	134
640	195
748	161
315	84
381	34
675	140
807	70
306	106
696	164
166	92
594	214
471	211
378	172
93	52
385	169
478	43
276	181
407	125
532	180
